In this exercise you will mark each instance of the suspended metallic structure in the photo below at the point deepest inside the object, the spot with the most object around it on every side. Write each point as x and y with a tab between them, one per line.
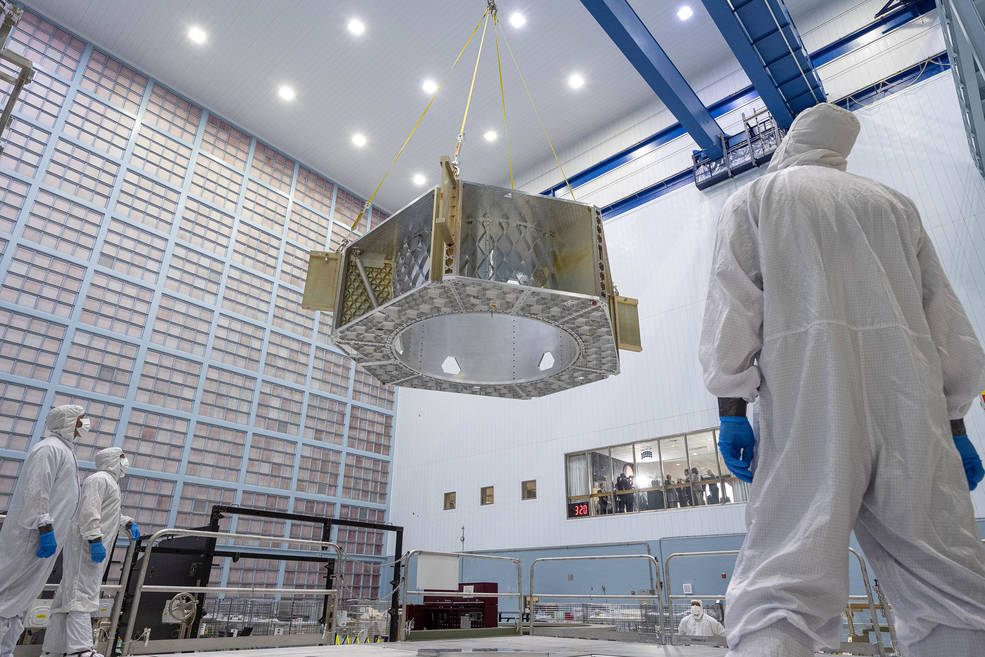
480	290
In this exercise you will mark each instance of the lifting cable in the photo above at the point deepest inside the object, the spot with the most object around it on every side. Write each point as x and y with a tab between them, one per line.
502	96
416	125
542	126
468	100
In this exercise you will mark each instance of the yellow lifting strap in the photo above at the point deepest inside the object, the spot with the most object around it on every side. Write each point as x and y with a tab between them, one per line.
468	101
423	114
534	105
502	96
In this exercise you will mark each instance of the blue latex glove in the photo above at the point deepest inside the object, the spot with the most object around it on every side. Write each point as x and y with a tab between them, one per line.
973	469
737	444
97	552
48	545
134	531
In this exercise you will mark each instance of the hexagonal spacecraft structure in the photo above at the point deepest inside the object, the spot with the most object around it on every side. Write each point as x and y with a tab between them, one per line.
479	290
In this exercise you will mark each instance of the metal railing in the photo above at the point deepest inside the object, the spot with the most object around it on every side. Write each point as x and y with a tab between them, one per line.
658	595
454	594
128	641
868	597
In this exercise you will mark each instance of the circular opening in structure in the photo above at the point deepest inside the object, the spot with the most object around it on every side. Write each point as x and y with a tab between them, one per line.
485	348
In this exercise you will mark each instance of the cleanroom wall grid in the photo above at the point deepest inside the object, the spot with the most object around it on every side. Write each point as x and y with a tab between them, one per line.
153	260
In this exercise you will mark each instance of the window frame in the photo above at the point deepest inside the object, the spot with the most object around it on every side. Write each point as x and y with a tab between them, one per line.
482	495
450	501
605	502
524	497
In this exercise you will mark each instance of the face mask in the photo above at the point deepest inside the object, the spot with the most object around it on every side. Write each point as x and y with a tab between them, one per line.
83	431
124	464
696	611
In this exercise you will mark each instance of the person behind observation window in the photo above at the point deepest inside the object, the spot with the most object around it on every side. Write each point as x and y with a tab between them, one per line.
39	518
697	488
684	491
828	304
655	498
603	501
672	494
714	496
624	482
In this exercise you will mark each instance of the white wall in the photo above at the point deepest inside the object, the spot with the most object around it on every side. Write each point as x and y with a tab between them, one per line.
660	252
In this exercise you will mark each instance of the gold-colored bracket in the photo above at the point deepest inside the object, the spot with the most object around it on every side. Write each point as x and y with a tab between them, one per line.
626	317
446	225
321	284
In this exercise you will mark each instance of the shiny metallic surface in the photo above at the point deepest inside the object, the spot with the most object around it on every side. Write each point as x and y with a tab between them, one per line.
519	343
528	277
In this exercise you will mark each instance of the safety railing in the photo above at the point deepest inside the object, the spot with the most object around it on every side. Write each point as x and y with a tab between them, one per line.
869	598
693	595
655	580
140	588
453	594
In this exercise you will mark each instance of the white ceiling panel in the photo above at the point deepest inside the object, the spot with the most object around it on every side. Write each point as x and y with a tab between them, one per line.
372	84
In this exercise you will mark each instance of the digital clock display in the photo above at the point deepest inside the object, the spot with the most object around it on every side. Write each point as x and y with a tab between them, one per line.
578	510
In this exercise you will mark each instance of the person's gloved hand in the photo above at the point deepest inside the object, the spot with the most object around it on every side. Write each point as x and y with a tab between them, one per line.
48	545
737	444
96	551
134	531
973	469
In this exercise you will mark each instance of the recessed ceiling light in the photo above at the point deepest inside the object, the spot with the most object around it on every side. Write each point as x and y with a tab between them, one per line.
685	12
419	179
197	35
576	81
517	20
356	26
490	136
429	86
359	139
286	92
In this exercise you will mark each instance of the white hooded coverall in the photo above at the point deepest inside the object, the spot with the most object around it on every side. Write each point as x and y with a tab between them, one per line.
828	302
47	492
700	624
77	598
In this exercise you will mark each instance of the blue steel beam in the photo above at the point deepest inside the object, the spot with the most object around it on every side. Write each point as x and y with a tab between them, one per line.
727	23
768	47
861	98
631	36
846	44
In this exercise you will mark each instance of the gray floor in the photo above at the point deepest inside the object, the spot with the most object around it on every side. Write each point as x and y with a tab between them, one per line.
554	646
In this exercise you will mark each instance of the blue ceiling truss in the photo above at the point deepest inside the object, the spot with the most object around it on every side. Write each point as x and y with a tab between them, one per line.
632	37
768	46
882	89
884	23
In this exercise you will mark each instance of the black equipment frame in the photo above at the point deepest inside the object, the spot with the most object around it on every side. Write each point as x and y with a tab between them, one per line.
221	511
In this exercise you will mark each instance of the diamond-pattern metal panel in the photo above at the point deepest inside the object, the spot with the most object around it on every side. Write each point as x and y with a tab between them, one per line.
496	247
355	301
412	264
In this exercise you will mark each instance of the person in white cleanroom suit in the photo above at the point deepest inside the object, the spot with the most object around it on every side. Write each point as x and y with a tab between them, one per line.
38	519
698	623
94	532
827	302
